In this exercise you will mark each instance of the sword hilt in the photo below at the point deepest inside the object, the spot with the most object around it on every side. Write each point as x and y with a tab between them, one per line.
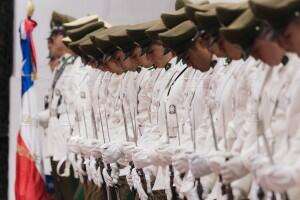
141	174
131	168
260	193
108	169
285	196
173	189
273	196
199	189
228	187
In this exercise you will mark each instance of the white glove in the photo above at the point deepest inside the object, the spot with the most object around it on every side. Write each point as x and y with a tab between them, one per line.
85	147
278	178
81	172
180	162
162	156
127	149
98	177
237	193
233	169
257	162
168	193
178	182
216	160
190	190
75	143
111	152
199	166
86	162
112	179
138	185
95	172
94	149
141	158
42	118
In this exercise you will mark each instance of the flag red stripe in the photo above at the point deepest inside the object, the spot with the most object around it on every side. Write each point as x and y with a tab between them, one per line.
29	183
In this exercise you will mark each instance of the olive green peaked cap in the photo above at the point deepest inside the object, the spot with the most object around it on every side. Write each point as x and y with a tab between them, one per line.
89	49
87	46
78	33
244	30
121	39
137	33
181	4
58	19
208	21
80	22
227	13
66	41
74	45
157	28
180	38
171	20
103	42
277	12
202	6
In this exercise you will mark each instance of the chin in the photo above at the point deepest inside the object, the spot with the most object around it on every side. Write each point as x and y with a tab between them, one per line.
271	63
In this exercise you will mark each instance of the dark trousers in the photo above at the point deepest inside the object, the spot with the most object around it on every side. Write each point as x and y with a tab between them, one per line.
64	187
92	191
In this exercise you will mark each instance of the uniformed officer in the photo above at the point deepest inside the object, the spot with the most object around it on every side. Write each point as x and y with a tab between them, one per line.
148	78
281	58
66	185
85	125
283	19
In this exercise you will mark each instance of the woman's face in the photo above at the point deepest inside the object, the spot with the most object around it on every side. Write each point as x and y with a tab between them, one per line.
198	56
127	64
156	54
268	51
140	60
113	66
232	51
291	37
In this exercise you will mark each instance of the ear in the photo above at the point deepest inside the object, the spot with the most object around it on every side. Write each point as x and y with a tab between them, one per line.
118	55
283	42
200	43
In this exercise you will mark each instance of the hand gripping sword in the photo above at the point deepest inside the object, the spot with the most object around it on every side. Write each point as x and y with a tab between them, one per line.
140	172
223	186
228	187
284	195
193	137
127	139
111	190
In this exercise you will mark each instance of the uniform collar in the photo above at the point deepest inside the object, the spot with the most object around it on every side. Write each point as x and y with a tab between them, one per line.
152	68
138	69
171	63
227	61
66	58
285	60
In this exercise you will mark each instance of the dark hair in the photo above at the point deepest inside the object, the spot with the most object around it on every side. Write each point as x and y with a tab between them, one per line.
56	32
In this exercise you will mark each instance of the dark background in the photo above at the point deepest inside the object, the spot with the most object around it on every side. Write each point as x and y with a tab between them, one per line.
6	62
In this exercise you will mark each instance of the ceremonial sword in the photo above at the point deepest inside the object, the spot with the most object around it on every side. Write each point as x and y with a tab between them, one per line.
127	140
108	167
284	195
224	189
171	169
193	137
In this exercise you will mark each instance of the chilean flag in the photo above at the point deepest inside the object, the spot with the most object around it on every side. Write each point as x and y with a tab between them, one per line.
30	183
